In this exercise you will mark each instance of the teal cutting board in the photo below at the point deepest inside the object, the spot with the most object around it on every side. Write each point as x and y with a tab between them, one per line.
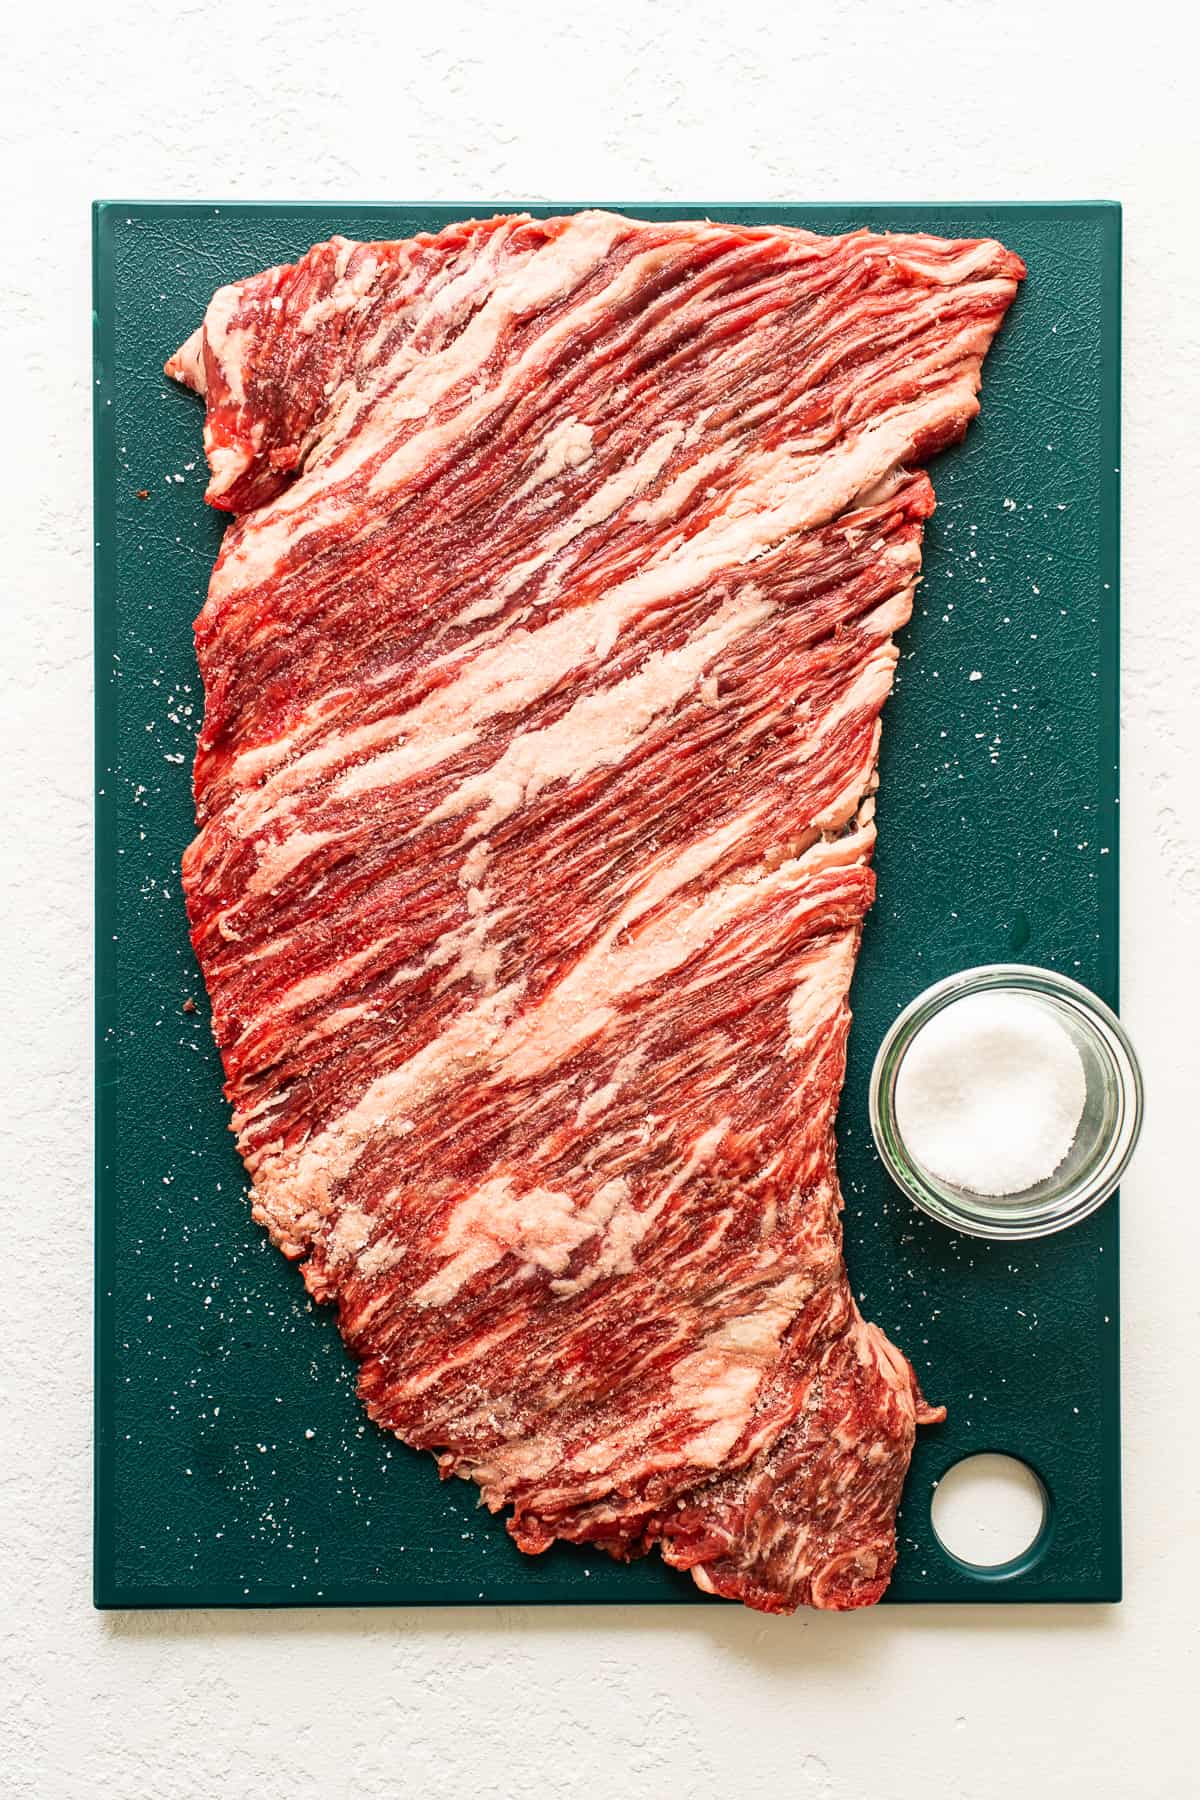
233	1464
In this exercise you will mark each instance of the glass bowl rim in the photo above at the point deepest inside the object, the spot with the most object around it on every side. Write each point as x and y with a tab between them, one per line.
1060	1210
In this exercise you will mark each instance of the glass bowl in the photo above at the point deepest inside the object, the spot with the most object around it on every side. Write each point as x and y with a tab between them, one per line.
1104	1142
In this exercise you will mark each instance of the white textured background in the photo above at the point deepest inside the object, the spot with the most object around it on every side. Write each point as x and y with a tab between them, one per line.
679	99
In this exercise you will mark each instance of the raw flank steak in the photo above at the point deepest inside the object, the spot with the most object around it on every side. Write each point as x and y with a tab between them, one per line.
543	662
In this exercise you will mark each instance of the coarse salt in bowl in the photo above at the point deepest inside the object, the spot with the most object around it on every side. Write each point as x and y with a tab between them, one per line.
1006	1101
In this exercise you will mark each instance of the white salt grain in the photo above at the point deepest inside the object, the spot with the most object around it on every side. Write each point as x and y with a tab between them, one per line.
990	1093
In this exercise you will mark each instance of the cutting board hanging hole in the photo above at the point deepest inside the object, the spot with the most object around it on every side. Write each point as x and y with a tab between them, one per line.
991	1513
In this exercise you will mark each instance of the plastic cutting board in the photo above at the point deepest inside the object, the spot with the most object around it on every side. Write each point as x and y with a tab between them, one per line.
234	1466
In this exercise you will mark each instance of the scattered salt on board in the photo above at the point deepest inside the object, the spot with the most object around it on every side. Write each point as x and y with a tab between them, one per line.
990	1093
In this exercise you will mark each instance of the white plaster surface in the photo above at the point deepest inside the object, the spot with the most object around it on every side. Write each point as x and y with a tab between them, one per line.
967	99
